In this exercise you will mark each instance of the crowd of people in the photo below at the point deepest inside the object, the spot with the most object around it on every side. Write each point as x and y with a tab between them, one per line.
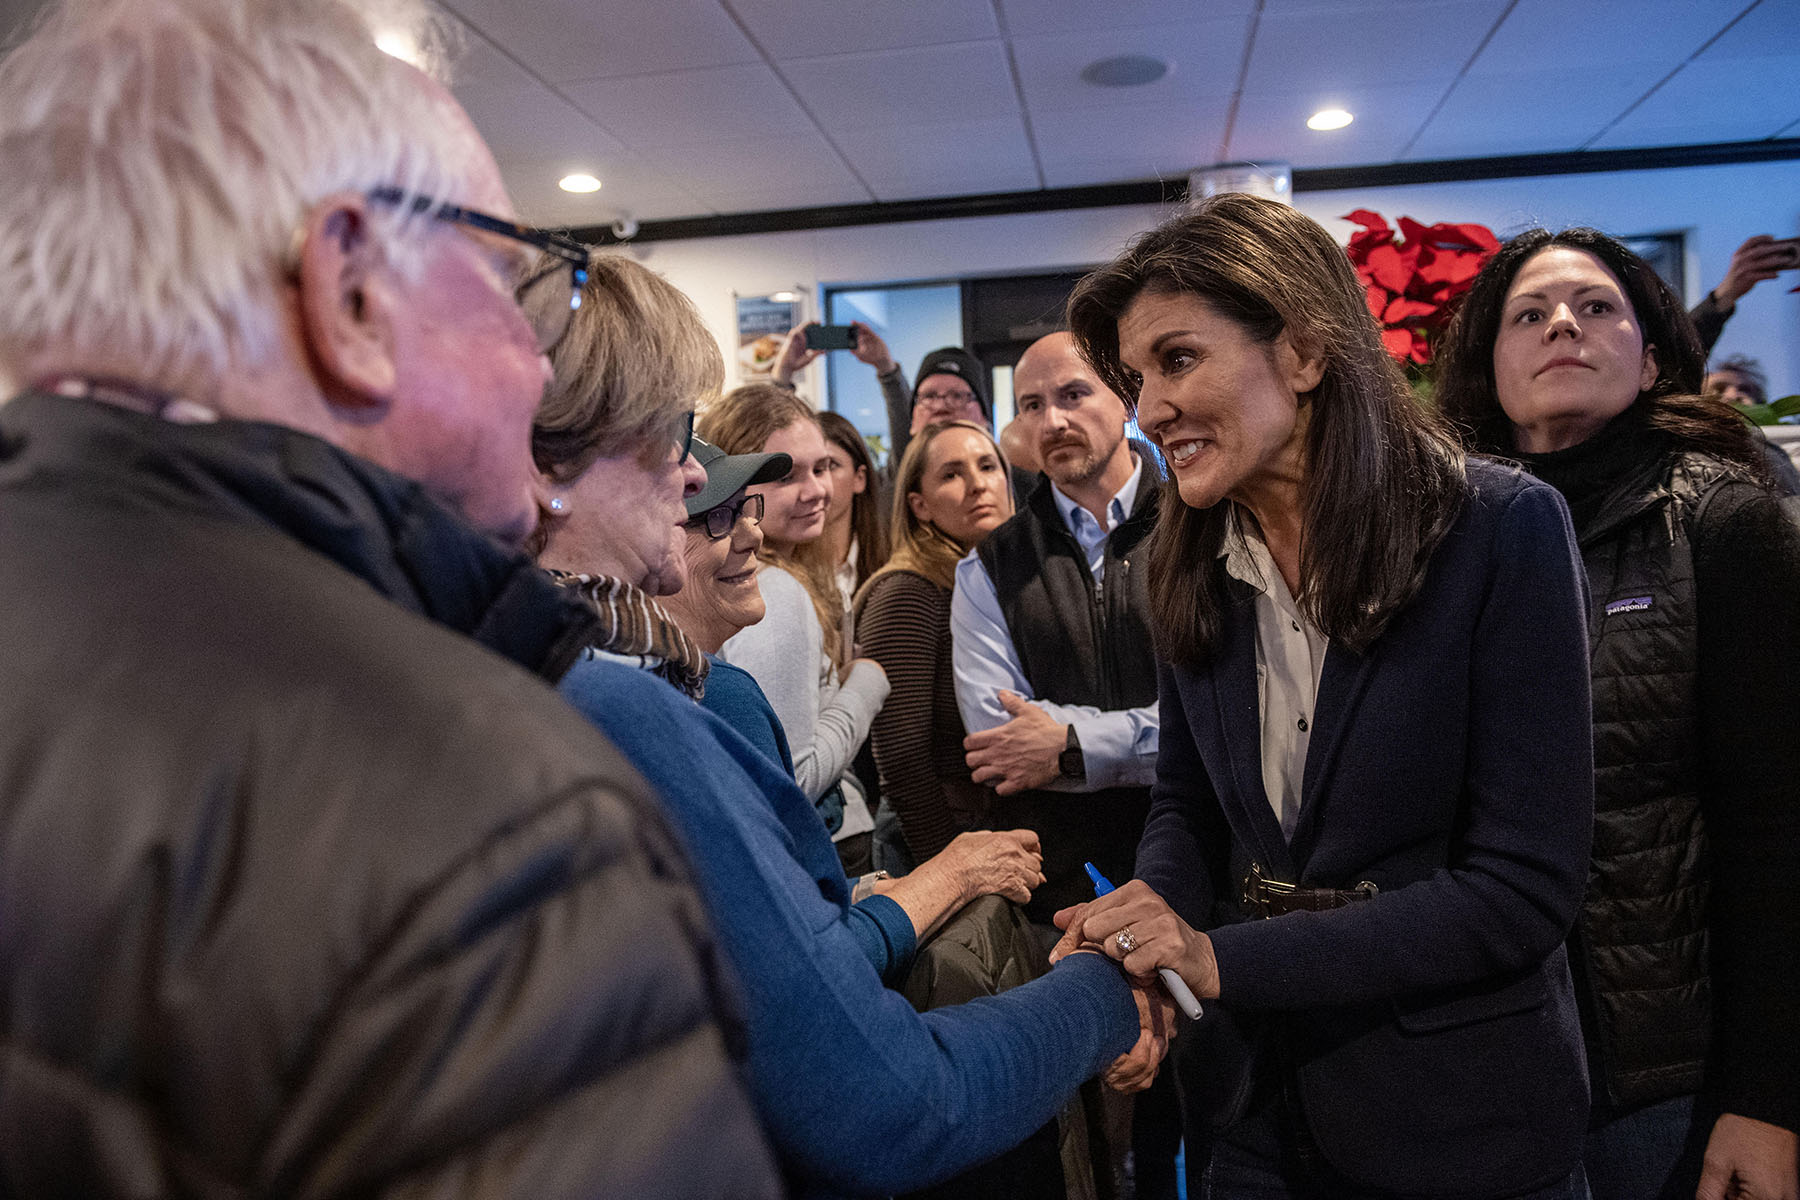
454	746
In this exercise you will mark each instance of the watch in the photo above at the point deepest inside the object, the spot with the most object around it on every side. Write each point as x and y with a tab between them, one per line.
1070	764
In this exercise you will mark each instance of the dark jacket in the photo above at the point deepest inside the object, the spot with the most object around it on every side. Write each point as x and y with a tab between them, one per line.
1078	642
1643	935
304	889
1432	1031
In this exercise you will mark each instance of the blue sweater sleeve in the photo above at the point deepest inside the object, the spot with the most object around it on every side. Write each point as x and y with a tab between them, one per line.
885	933
859	1092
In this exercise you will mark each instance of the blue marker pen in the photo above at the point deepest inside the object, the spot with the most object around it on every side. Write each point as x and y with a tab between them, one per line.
1178	988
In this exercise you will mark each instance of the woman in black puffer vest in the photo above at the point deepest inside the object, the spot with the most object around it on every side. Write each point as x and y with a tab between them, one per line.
1572	357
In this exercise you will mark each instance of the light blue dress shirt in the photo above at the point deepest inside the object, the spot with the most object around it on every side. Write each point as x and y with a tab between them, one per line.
1118	746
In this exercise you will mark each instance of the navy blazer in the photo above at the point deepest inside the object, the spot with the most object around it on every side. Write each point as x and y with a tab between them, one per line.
1433	1029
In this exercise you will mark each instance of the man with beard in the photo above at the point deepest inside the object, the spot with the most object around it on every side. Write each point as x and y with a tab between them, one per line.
1051	649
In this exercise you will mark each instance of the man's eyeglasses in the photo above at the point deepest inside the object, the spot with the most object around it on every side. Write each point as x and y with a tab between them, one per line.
947	399
721	519
549	291
682	434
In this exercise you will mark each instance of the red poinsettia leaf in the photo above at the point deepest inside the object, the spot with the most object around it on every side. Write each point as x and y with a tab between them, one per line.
1372	221
1450	266
1414	232
1391	267
1398	343
1478	236
1403	310
1367	240
1378	297
1421	348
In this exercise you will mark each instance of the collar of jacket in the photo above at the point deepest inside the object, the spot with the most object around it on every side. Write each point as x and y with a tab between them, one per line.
380	527
1042	504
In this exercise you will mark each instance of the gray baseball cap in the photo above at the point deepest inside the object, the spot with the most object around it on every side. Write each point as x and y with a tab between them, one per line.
726	473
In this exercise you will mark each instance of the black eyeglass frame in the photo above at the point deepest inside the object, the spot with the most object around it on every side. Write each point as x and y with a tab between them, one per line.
685	438
572	255
734	511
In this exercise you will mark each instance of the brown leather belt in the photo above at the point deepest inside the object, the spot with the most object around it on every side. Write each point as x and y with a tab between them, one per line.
1264	897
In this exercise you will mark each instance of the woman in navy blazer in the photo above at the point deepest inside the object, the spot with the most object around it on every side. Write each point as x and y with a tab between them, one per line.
1374	795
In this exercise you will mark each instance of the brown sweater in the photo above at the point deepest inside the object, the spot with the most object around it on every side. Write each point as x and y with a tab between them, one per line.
904	625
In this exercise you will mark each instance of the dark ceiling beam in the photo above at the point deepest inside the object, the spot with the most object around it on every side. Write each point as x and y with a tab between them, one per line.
1113	195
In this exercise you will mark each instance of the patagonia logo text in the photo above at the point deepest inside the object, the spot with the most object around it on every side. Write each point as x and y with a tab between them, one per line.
1629	604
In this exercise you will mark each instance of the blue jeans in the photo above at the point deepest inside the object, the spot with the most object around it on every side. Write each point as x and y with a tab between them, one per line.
1300	1172
1650	1153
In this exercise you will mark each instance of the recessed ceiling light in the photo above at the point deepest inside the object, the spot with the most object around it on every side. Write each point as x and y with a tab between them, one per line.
1329	118
579	183
784	297
1126	70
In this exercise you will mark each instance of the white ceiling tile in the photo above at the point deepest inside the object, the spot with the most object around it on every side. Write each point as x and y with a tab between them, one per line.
1093	172
1096	16
1273	128
895	88
1714	100
1532	112
802	162
1354	47
1203	58
564	40
809	28
1574	35
530	120
1772	27
684	108
990	155
1159	139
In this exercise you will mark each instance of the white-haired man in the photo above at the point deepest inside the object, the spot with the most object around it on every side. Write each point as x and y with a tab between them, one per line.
304	888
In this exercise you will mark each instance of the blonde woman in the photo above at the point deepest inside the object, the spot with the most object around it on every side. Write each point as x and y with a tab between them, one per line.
950	492
794	653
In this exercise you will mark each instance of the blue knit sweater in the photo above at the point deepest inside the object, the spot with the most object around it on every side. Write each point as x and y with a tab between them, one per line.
861	1095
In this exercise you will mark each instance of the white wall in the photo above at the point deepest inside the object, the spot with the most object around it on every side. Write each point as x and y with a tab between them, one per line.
1717	207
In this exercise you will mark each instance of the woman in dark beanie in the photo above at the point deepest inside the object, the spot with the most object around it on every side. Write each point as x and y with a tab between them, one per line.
1571	356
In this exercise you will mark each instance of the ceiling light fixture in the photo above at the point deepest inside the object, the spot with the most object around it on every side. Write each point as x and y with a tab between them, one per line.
578	183
1125	70
784	297
1329	118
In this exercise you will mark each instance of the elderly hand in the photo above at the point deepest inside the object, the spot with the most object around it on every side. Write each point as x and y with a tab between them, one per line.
1135	1070
1020	754
999	862
871	349
1759	258
794	356
1161	938
1748	1159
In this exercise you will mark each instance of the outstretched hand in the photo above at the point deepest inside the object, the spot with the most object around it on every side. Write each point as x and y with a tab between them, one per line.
1135	1070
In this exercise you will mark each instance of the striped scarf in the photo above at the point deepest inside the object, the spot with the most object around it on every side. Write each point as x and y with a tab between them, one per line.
634	625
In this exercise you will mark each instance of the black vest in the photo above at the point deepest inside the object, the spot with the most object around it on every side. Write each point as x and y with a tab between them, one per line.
1641	966
1078	642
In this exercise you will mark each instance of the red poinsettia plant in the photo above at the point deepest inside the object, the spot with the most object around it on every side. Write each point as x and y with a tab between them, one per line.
1414	281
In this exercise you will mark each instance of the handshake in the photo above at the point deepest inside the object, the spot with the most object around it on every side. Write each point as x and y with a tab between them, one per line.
1136	928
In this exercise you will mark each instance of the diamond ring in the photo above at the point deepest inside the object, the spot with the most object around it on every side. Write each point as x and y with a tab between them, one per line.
1125	940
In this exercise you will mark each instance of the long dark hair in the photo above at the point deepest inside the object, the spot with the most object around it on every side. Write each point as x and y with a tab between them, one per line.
865	506
1384	477
1672	403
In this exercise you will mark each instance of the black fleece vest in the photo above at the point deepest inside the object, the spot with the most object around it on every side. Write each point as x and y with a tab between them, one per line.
1078	642
1646	994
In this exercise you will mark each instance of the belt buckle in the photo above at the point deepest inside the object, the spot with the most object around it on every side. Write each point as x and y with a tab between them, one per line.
1258	890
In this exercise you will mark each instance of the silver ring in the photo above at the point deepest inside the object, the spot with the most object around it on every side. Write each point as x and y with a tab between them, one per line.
1125	940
